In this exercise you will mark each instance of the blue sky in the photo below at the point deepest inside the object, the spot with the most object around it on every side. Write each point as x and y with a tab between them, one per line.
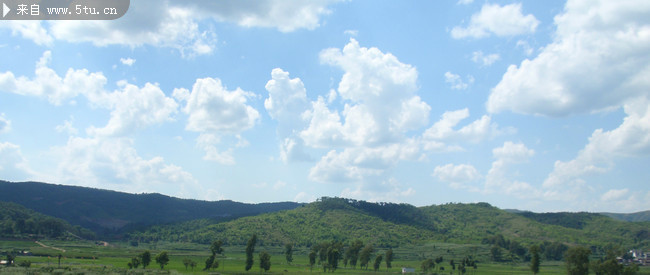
536	105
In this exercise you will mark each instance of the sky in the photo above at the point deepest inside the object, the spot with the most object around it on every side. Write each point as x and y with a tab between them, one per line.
532	105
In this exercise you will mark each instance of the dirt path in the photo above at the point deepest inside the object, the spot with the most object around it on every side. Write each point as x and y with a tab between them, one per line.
51	247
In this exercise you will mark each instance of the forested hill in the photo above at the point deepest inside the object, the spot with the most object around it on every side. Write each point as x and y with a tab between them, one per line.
16	221
643	216
387	224
109	211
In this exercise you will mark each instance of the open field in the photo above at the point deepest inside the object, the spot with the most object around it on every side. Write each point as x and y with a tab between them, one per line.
90	257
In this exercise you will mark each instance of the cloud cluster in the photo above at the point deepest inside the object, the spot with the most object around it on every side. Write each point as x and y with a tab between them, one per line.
499	20
597	62
175	24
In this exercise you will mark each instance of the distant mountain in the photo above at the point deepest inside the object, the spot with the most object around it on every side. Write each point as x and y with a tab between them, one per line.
387	224
643	216
109	212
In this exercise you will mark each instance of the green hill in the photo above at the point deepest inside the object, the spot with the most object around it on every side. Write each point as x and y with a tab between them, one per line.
643	216
393	225
110	212
17	221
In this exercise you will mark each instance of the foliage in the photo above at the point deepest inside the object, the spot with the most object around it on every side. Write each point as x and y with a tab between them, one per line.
288	252
577	260
162	259
534	261
216	248
145	258
265	261
427	265
98	211
377	262
352	253
250	249
312	259
364	255
16	221
389	258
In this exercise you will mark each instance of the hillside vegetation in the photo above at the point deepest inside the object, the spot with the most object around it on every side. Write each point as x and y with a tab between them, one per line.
386	224
105	211
17	221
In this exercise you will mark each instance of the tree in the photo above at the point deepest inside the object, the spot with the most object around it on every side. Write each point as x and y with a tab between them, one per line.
452	264
135	262
577	260
25	264
145	258
312	259
215	248
352	254
495	253
534	261
192	264
333	256
364	256
11	257
162	259
389	258
427	265
250	249
288	253
377	262
209	262
265	261
186	262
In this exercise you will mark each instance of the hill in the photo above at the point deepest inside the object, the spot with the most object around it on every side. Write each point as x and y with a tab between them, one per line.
105	211
386	224
17	221
643	216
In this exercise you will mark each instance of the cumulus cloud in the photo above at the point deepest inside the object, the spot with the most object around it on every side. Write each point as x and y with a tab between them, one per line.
135	108
614	194
373	84
175	24
57	89
67	128
442	136
127	61
498	179
214	111
630	139
458	176
457	82
5	124
596	62
484	60
499	20
114	163
13	165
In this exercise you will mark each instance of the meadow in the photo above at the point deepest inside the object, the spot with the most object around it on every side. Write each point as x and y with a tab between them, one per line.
87	257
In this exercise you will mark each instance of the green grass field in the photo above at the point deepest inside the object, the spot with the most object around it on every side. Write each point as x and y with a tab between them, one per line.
90	258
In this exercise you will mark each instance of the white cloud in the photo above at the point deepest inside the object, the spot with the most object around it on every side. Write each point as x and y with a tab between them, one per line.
286	102
352	33
630	139
442	136
127	61
212	108
5	124
214	112
614	194
389	190
464	2
279	185
456	81
499	178
113	163
372	85
505	20
598	61
485	60
67	128
48	84
29	29
134	108
304	197
458	176
361	164
528	50
175	24
13	165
